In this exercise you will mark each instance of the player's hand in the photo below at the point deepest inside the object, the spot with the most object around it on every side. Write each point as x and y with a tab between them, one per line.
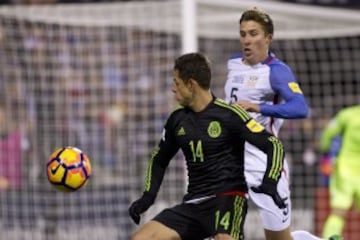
140	206
271	190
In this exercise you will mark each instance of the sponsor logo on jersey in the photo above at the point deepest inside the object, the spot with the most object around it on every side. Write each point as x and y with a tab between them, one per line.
294	87
181	132
214	129
254	126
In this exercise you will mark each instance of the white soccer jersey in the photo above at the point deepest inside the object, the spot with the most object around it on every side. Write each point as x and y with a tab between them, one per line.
273	86
252	83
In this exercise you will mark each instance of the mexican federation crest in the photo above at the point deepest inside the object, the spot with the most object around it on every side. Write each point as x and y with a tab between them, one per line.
214	129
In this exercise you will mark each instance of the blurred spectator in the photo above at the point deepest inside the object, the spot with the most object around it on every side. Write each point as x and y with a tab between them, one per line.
12	144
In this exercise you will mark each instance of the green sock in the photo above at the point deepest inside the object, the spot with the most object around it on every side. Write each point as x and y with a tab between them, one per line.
334	225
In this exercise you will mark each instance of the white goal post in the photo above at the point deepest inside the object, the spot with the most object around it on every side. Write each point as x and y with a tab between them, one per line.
98	77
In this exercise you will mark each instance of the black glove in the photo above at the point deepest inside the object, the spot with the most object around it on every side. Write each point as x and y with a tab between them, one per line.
270	188
140	206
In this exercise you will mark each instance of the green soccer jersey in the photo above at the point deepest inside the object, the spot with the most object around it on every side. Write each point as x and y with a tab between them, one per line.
346	124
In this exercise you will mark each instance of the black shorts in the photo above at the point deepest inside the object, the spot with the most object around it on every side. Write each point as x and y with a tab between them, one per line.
196	221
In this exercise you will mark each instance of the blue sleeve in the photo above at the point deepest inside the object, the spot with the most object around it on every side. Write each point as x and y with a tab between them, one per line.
285	85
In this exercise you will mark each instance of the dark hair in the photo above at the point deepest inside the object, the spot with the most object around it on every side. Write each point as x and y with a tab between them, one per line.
260	17
195	66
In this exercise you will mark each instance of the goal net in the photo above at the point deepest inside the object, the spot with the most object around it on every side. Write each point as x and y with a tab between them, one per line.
98	77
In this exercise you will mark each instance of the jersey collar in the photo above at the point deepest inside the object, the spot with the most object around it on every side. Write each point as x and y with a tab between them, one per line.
267	60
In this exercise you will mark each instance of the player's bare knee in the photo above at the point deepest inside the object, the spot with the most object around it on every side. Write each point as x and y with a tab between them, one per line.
276	235
139	236
223	236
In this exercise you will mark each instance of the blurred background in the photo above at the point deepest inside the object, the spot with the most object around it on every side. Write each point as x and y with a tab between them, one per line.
97	75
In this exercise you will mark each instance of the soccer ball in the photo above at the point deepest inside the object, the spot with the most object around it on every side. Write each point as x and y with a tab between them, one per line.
68	169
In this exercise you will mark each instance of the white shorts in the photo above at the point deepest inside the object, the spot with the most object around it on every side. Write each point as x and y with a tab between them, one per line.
273	218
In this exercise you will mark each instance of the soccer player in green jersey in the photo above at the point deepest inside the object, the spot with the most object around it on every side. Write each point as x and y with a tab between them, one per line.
211	134
345	179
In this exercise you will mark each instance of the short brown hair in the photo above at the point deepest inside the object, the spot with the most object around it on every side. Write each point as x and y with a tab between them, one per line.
259	16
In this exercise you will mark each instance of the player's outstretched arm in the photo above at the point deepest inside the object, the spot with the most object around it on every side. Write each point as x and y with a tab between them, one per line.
157	165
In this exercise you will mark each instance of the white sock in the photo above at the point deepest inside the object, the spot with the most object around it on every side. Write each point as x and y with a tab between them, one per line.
303	235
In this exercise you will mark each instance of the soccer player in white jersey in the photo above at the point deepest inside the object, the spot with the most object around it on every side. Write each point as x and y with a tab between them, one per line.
267	88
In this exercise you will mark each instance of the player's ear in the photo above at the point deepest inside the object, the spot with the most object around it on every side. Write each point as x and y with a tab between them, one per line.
269	37
190	84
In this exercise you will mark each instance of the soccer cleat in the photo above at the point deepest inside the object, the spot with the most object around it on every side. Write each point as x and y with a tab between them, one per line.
336	237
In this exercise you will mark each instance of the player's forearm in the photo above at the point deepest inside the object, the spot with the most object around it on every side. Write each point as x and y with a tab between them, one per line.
155	173
332	130
273	148
294	109
275	159
154	178
326	139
